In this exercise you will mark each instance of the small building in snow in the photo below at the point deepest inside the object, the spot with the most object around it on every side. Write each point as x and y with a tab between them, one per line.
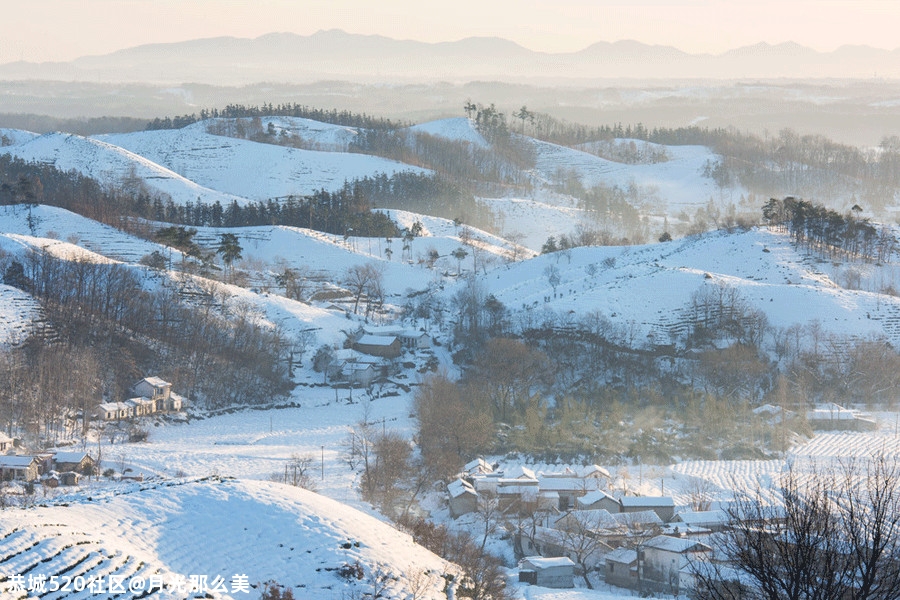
155	389
664	506
621	568
833	417
661	560
379	345
113	411
77	462
555	572
713	520
463	498
20	468
598	500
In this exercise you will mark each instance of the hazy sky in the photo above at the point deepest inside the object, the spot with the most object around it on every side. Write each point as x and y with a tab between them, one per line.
41	30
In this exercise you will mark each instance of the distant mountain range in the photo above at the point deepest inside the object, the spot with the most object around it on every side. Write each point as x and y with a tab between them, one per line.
335	54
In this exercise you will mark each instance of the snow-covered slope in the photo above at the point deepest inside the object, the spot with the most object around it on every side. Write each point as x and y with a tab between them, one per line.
114	166
458	128
250	169
650	287
14	137
260	532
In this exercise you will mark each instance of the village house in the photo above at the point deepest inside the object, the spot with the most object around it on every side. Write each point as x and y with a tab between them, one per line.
479	466
833	417
664	506
621	568
19	468
140	406
408	338
463	498
113	411
378	345
598	500
555	572
548	542
711	520
77	462
159	392
151	395
567	488
661	561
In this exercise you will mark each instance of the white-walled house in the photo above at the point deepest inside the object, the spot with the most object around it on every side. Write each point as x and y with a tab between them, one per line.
152	395
113	411
159	392
661	560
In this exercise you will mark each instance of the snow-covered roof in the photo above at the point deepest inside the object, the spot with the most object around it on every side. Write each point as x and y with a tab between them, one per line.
703	518
622	555
459	487
155	381
636	501
674	544
140	401
593	471
14	462
69	457
519	472
832	412
638	518
567	484
480	465
540	562
592	497
591	519
376	340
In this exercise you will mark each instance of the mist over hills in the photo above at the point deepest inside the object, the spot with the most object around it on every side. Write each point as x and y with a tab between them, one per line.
288	57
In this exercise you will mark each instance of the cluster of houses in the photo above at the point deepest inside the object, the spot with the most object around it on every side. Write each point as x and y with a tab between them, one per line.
371	354
568	522
53	468
151	395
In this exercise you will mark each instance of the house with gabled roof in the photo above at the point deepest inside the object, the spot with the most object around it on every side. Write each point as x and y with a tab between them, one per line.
598	500
77	462
664	506
21	468
661	560
113	411
379	345
622	568
712	520
550	572
462	499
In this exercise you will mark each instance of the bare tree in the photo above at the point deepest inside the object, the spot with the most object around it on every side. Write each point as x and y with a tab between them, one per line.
834	536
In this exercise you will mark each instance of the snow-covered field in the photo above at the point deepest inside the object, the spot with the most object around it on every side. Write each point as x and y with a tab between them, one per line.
233	534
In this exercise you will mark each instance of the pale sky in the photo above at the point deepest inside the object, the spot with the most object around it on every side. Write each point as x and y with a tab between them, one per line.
59	30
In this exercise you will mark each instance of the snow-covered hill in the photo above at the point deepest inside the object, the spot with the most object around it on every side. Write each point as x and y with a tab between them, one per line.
650	287
253	170
114	166
165	530
211	161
